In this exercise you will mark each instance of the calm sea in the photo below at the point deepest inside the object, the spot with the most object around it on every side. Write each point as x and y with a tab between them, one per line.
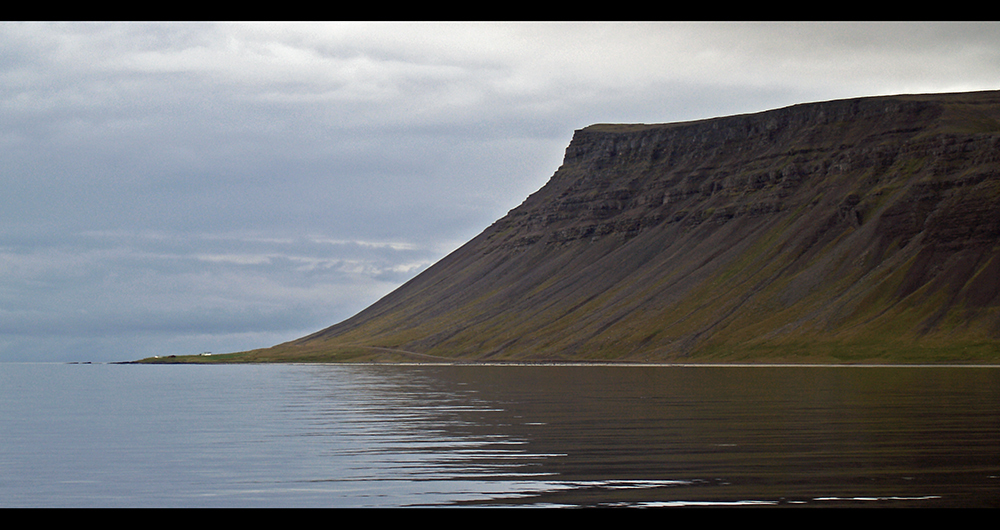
107	435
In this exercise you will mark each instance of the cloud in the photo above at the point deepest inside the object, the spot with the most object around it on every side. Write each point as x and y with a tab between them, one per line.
111	284
222	186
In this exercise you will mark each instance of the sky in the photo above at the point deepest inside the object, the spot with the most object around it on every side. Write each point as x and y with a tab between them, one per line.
179	188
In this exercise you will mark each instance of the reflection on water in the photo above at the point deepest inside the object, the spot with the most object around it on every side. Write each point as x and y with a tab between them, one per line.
663	436
384	436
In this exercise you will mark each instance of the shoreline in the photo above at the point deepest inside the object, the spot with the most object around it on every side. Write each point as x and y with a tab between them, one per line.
577	364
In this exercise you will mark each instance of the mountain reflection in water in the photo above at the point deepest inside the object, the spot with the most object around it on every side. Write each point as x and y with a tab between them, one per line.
667	436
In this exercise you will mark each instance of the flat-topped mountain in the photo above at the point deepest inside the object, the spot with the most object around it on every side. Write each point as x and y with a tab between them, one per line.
851	230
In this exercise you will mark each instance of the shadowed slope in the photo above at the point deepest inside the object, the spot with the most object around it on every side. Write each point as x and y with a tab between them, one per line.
863	229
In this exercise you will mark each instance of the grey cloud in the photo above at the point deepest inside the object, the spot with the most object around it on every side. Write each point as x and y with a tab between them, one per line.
110	284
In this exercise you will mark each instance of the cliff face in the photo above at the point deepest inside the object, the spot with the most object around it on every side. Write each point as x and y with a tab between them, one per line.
842	230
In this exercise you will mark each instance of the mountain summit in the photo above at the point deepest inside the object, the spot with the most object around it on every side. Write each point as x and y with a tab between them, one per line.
843	231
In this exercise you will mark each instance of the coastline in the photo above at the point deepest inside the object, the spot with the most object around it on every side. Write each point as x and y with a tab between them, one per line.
622	364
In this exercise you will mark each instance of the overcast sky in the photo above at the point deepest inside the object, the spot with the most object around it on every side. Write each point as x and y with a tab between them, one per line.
175	188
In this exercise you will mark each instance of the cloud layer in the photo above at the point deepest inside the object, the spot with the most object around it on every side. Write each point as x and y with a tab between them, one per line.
176	188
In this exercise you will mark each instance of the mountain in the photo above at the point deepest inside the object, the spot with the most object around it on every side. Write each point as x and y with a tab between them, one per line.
842	231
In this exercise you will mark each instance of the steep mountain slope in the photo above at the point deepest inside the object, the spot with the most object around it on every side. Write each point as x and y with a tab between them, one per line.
864	229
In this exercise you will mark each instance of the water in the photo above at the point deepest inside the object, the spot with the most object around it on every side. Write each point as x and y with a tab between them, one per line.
105	435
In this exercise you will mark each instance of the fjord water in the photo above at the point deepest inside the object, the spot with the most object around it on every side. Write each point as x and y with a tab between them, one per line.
107	435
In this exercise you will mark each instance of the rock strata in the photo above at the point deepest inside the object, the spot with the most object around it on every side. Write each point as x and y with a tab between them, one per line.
843	230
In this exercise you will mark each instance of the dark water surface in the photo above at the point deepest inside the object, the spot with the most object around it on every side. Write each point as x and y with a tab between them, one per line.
106	435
